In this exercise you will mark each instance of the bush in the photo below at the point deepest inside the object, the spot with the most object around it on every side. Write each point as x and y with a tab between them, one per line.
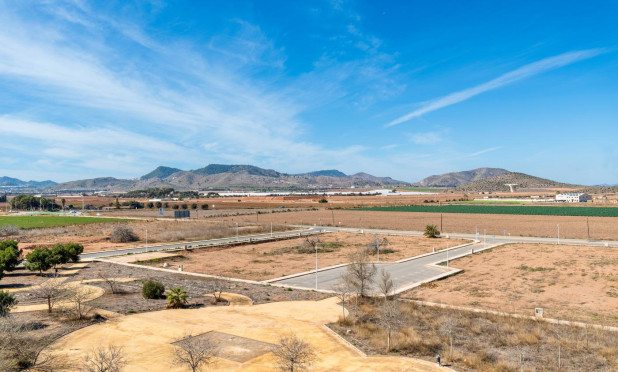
323	200
158	204
194	206
175	206
184	206
431	231
123	234
204	207
176	298
9	230
153	289
150	205
7	301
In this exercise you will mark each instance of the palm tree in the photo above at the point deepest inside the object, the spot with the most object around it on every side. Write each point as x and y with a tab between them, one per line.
176	298
431	231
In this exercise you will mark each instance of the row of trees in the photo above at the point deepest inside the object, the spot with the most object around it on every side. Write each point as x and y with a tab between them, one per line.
45	258
10	256
29	202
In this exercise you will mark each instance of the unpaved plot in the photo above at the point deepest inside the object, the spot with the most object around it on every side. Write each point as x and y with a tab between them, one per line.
275	259
96	237
544	226
568	282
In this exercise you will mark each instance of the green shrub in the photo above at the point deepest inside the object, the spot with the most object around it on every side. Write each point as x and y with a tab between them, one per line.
153	289
7	301
176	298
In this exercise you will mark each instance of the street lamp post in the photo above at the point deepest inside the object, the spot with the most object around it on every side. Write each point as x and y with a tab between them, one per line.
316	266
236	231
484	238
146	238
558	233
271	229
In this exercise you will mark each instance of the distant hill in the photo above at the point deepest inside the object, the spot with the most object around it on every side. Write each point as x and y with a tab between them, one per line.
524	182
457	179
328	173
249	169
221	176
160	172
14	182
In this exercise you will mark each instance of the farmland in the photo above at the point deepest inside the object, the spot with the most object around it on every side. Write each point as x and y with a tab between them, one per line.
518	210
34	222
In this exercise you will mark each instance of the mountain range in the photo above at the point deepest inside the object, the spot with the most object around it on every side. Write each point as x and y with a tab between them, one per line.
221	176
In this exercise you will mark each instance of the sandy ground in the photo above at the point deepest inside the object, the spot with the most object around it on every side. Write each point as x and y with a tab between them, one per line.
147	339
275	259
568	282
570	227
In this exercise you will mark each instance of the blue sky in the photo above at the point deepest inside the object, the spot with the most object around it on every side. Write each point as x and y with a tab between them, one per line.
394	88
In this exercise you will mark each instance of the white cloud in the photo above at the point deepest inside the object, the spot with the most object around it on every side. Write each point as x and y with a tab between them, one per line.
511	77
427	138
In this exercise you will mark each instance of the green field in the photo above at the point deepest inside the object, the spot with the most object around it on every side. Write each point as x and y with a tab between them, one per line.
33	222
505	209
491	201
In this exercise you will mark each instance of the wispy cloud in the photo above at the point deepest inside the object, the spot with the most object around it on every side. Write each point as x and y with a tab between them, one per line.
481	152
427	138
511	77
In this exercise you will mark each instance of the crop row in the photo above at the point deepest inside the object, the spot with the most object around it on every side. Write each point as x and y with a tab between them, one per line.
504	209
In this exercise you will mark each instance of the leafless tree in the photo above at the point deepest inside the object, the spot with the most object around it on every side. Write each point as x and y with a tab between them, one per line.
391	319
310	244
113	285
449	327
375	245
360	273
195	352
294	354
79	297
386	285
51	291
105	359
217	286
343	291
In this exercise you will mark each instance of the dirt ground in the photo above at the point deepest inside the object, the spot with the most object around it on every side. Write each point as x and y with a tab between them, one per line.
568	282
570	227
95	237
275	259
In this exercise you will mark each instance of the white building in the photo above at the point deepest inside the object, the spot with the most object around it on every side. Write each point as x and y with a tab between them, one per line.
573	197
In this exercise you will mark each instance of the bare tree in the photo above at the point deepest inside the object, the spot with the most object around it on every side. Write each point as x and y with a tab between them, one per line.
343	291
391	319
360	273
195	352
376	244
105	359
217	286
310	244
51	291
386	285
294	354
79	297
449	327
113	285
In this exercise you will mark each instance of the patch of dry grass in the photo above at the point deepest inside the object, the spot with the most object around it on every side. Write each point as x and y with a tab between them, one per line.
483	342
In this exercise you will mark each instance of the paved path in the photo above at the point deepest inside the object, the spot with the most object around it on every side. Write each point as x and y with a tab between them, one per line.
154	248
415	271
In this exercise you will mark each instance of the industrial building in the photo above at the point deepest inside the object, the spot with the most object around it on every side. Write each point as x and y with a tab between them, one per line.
573	197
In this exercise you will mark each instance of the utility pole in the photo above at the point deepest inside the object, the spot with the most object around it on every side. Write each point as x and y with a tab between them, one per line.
588	227
447	254
484	238
316	266
558	233
146	238
441	222
332	212
271	229
236	231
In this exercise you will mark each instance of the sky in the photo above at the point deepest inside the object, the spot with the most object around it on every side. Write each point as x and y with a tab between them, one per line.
404	89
